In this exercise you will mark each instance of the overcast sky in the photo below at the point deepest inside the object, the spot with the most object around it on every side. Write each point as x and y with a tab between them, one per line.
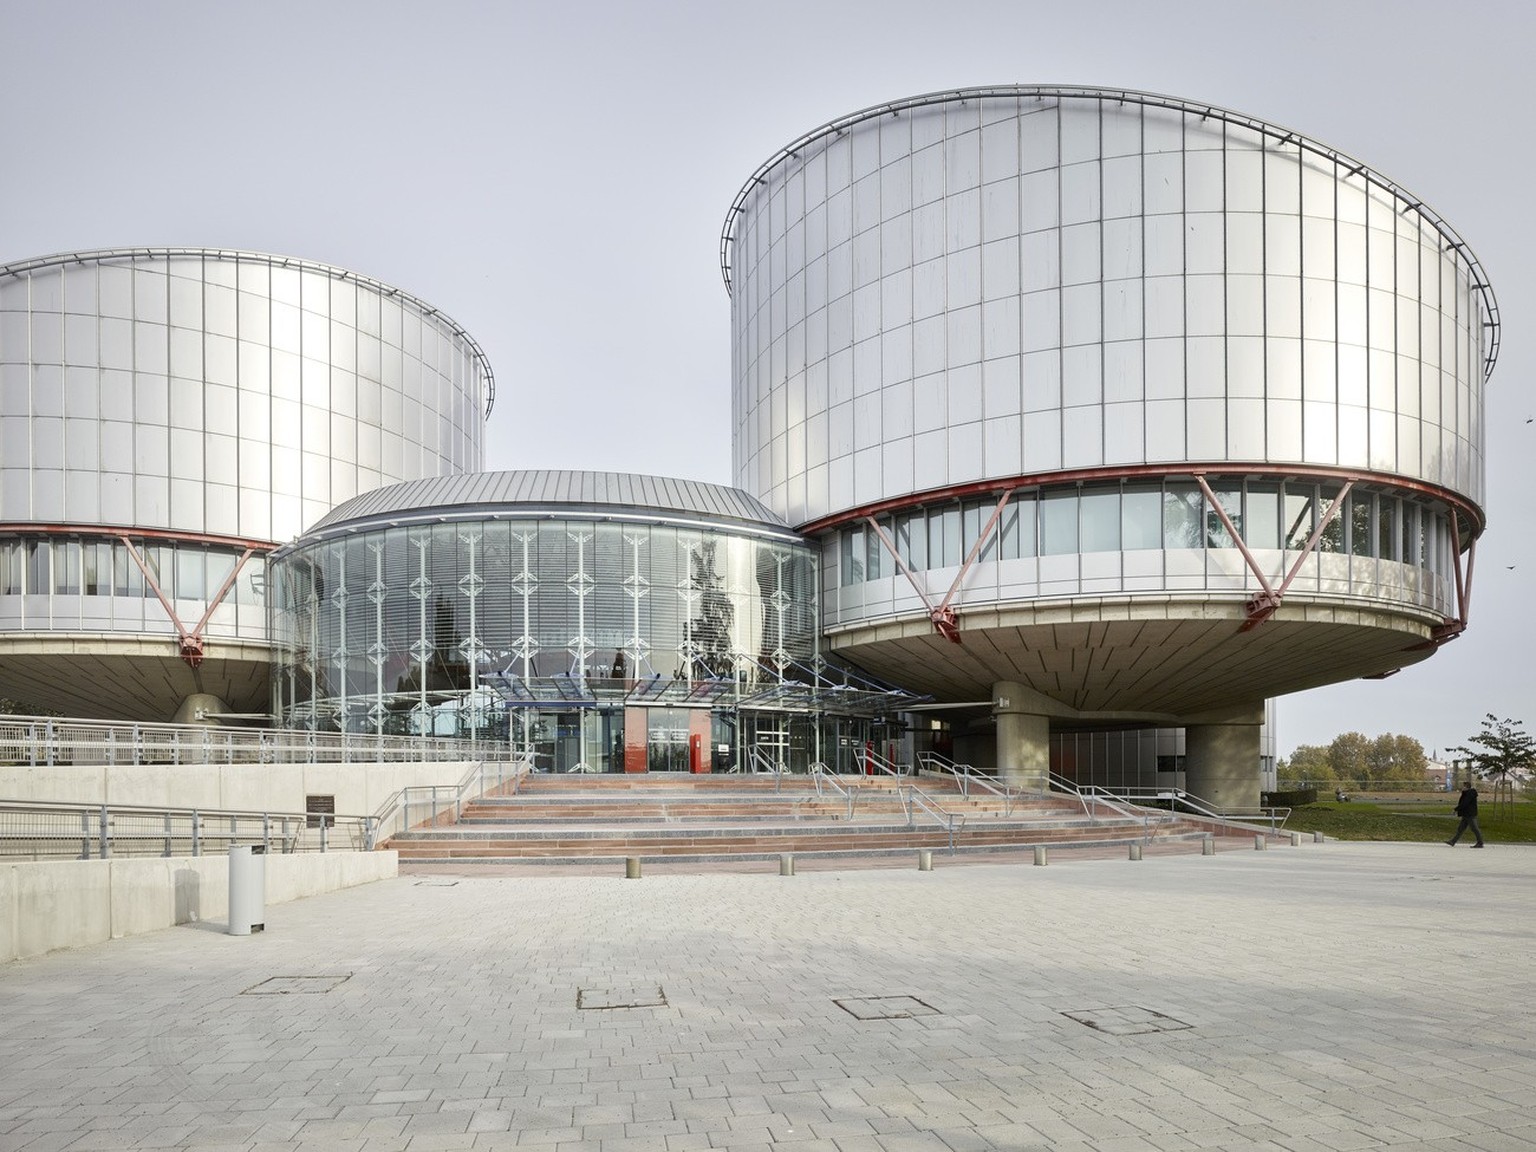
555	176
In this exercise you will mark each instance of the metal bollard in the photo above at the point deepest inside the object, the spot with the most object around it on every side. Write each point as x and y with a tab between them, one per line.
1259	843
786	864
1317	837
1040	855
1208	846
1135	852
925	859
1295	839
631	867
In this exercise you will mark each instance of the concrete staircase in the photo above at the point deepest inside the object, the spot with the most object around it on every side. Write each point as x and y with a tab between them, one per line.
670	816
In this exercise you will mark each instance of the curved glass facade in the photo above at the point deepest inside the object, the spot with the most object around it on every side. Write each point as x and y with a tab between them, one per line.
603	641
1146	535
99	583
1002	283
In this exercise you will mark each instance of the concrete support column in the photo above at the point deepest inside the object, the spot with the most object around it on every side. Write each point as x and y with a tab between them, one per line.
1221	764
1023	738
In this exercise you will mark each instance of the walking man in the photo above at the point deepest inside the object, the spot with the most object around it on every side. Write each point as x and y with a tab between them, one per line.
1466	808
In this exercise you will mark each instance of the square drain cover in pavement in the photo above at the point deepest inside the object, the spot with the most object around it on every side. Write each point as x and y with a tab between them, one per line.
297	985
1127	1021
886	1007
635	996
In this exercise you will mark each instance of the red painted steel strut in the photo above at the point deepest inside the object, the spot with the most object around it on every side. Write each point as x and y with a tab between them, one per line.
1267	602
943	615
190	643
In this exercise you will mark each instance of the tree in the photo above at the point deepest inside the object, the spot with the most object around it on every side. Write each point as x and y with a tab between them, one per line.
1308	766
1500	749
1349	756
1394	759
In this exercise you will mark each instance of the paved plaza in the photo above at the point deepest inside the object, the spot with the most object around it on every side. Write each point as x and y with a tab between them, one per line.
1328	997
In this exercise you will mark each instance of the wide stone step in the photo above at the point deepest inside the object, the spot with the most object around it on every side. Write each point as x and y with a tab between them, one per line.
586	848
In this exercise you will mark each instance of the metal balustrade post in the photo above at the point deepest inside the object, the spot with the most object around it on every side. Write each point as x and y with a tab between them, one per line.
85	835
106	846
368	833
111	746
266	832
197	833
167	851
32	745
324	830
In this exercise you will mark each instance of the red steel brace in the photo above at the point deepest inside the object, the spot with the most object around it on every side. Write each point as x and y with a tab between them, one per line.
943	616
190	642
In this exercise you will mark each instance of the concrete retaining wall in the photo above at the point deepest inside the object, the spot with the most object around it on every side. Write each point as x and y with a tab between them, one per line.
360	789
69	903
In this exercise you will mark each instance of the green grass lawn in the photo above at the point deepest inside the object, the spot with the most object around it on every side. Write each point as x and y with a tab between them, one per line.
1423	819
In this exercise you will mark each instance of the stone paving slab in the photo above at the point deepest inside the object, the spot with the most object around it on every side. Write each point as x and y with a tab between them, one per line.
1329	997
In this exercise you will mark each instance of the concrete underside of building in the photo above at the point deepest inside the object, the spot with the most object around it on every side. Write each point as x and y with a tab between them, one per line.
1157	660
126	677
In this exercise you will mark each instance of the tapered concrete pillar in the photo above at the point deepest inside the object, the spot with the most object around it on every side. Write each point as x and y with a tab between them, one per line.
1023	738
1221	764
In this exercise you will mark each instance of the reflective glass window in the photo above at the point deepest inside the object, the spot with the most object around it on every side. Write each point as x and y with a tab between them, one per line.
1100	520
943	537
1261	519
1299	516
1058	523
1216	533
1141	522
66	567
1362	537
1183	511
1332	539
877	561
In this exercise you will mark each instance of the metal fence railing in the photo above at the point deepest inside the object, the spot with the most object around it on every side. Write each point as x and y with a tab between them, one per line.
433	804
43	831
35	740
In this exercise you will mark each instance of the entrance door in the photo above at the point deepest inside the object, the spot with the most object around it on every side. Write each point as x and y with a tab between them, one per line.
666	740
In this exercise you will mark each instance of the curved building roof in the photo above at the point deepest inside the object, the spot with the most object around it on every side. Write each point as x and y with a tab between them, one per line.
104	255
546	491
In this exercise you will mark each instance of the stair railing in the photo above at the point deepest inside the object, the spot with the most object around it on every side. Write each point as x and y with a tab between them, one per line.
429	803
913	799
765	765
965	776
821	774
870	759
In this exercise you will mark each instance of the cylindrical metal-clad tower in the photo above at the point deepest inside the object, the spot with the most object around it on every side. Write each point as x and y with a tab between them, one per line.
167	416
1110	408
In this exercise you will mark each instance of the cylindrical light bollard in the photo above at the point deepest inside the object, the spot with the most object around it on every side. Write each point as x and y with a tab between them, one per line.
632	868
786	864
1135	852
1317	837
925	859
1208	846
1259	843
1040	855
1295	839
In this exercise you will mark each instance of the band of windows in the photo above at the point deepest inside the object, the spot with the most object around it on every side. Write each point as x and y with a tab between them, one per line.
95	566
1140	515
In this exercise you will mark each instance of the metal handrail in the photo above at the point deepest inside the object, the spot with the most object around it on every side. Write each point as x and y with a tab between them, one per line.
431	801
1175	798
46	741
869	758
40	830
821	773
965	774
949	820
